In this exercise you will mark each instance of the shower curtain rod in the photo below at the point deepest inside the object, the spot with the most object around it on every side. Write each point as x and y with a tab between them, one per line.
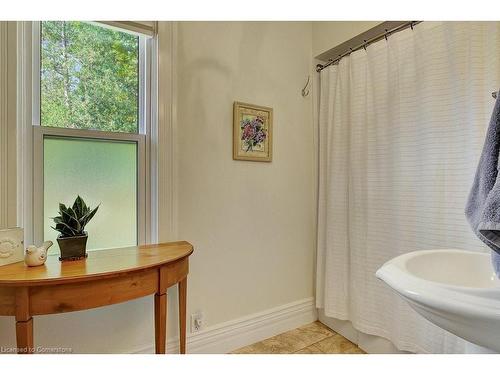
366	43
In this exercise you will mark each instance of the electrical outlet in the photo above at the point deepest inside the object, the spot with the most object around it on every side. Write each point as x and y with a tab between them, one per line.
196	322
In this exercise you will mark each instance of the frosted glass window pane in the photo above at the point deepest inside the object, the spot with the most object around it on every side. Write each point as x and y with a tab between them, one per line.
101	172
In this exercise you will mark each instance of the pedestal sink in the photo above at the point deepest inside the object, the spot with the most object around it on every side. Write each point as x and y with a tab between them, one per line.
455	289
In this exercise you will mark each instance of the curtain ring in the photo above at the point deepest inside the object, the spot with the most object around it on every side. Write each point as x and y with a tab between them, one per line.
364	45
385	35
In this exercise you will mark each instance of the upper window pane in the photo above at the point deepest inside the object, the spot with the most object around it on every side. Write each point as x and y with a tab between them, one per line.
89	77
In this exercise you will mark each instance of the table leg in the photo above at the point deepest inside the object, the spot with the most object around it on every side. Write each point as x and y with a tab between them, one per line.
160	323
24	336
24	321
182	315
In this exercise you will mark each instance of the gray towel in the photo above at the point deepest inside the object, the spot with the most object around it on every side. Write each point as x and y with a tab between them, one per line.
483	206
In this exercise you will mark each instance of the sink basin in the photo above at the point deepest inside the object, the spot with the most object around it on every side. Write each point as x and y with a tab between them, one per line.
455	289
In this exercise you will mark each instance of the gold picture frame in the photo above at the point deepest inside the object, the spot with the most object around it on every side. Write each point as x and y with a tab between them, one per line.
252	132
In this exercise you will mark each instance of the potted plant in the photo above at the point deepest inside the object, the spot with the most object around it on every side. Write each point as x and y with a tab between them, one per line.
71	224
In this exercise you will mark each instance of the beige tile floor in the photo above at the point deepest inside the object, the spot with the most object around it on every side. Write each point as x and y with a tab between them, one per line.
313	338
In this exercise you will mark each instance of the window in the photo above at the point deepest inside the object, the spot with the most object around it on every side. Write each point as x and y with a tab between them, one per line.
91	120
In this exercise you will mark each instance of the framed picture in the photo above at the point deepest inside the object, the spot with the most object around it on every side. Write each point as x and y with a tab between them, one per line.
252	132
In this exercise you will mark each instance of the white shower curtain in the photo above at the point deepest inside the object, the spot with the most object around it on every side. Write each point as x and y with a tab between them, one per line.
401	127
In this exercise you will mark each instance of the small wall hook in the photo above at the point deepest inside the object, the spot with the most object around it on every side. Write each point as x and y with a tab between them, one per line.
305	90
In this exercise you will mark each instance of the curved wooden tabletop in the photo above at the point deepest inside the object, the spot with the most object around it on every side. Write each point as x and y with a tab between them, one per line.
98	265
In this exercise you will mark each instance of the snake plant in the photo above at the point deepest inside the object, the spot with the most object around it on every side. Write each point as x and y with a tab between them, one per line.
71	221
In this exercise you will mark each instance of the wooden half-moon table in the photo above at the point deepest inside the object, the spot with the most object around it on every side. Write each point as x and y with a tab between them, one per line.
106	277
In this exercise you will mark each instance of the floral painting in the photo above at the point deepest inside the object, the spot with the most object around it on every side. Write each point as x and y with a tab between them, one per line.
252	132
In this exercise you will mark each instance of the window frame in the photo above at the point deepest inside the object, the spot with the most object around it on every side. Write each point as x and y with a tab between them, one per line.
142	138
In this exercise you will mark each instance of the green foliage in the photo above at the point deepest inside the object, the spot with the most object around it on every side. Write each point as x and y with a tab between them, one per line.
89	77
71	221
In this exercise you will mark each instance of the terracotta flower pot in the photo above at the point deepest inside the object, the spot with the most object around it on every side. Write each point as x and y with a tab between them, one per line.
73	248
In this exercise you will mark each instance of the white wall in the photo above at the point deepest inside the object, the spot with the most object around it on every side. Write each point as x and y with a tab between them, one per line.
329	34
252	224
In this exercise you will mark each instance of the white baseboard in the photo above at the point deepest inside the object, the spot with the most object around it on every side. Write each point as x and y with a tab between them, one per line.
228	336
